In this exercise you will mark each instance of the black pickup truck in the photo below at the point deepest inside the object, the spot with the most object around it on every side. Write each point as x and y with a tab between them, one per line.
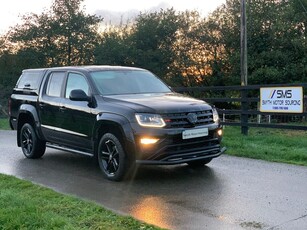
121	116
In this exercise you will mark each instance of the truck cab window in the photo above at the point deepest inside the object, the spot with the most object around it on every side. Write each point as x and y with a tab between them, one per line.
76	81
55	83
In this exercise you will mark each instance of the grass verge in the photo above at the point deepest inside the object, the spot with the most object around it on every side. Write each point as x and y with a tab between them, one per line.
286	146
25	205
4	124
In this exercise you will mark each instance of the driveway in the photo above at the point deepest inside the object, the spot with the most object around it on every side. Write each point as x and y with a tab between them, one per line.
230	193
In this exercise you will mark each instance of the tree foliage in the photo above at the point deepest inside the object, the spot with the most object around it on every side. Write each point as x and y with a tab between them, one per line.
276	43
114	47
65	35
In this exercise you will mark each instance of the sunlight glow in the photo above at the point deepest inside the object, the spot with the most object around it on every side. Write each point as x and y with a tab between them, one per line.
152	210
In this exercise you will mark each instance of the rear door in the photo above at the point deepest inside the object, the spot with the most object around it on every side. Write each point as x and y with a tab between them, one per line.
49	106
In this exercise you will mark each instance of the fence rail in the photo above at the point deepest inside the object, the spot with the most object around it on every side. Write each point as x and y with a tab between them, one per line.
242	102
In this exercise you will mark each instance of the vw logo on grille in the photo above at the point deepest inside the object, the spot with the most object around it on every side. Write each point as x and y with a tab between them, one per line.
192	118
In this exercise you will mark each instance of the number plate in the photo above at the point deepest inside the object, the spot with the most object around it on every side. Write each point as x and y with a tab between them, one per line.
193	133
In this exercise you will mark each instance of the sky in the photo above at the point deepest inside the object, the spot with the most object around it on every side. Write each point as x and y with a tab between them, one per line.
111	10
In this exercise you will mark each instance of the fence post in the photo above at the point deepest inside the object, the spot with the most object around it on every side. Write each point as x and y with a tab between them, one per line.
244	110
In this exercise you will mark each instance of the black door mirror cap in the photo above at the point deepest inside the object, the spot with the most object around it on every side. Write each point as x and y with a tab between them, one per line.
78	95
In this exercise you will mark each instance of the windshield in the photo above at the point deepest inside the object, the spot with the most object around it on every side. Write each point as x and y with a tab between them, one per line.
111	82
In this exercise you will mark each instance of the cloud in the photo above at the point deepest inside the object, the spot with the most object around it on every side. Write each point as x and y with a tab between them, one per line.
126	17
117	18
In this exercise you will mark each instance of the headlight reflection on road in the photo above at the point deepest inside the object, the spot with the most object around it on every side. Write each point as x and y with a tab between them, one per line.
152	210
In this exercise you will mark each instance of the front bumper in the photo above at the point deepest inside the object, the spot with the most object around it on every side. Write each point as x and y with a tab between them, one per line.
172	149
184	158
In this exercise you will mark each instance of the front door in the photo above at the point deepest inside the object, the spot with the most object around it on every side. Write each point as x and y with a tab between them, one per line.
78	118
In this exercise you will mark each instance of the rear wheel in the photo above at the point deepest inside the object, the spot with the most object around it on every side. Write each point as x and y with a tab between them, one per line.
199	163
32	147
112	158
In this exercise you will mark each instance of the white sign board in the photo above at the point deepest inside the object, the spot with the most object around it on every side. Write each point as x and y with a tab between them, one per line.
281	99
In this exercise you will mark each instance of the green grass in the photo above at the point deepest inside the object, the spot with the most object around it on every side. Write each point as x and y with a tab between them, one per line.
4	124
286	146
24	205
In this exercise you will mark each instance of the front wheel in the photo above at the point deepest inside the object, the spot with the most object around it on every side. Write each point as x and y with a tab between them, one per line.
112	158
199	163
32	147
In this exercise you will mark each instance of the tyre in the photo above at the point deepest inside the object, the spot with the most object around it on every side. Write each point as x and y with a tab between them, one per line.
199	163
112	158
32	147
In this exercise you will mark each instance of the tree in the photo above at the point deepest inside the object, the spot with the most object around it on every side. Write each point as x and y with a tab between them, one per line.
200	51
299	17
65	35
152	38
276	34
114	47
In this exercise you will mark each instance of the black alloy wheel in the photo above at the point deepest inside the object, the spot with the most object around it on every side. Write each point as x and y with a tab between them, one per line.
32	147
111	157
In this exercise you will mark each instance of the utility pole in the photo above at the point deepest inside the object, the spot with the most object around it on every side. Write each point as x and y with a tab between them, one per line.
244	103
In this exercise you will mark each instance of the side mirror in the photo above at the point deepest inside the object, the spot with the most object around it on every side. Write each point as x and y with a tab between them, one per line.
78	95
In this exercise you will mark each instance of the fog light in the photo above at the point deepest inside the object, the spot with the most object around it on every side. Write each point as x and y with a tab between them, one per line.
220	132
148	140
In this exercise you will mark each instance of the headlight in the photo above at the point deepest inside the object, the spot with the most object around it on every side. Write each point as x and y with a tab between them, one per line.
216	117
150	120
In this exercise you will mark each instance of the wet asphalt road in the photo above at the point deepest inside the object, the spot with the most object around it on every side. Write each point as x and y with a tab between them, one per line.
230	193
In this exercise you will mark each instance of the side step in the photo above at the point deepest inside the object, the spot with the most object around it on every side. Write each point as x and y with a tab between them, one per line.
59	147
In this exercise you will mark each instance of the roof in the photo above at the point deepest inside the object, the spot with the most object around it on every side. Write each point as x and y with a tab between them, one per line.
88	68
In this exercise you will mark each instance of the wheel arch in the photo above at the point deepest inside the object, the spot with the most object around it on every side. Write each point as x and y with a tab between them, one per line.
27	114
117	125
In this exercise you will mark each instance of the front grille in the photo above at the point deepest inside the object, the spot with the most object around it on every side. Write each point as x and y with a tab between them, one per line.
193	146
180	120
175	148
